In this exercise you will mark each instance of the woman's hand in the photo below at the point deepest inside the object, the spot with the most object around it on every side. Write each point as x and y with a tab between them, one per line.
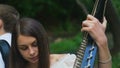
95	29
97	32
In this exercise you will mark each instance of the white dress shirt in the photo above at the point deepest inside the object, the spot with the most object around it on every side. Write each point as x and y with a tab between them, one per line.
7	37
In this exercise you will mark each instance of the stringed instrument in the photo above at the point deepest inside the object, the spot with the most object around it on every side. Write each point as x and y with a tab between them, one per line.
86	53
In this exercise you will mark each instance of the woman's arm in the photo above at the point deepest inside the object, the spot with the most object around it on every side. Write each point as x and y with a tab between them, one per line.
97	32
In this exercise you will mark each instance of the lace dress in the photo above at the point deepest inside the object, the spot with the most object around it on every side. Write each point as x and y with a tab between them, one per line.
65	62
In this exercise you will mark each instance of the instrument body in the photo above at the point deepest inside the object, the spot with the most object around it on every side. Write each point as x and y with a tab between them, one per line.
88	49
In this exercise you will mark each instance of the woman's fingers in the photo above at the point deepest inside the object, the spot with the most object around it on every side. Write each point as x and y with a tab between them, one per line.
89	24
90	17
94	28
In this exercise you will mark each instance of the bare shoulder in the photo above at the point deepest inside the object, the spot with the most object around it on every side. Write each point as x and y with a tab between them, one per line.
57	55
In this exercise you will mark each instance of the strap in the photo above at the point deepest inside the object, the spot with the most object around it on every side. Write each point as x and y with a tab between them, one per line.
4	48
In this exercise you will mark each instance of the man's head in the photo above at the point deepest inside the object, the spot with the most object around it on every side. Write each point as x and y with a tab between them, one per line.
8	17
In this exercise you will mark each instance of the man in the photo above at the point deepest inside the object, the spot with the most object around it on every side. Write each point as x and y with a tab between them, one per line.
8	18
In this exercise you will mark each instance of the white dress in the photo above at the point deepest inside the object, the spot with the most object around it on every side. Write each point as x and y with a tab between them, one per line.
65	62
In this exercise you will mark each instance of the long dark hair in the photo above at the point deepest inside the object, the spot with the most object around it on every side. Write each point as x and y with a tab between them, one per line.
29	27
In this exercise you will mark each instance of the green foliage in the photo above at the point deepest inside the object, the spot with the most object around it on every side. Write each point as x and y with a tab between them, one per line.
27	7
62	12
66	45
117	5
56	8
68	28
116	61
88	4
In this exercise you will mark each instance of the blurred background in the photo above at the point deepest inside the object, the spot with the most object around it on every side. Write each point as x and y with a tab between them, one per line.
62	21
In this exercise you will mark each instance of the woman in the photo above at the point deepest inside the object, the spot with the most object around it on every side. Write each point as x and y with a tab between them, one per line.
29	46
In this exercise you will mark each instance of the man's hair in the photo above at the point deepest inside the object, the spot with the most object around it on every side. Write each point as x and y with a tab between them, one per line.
9	16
